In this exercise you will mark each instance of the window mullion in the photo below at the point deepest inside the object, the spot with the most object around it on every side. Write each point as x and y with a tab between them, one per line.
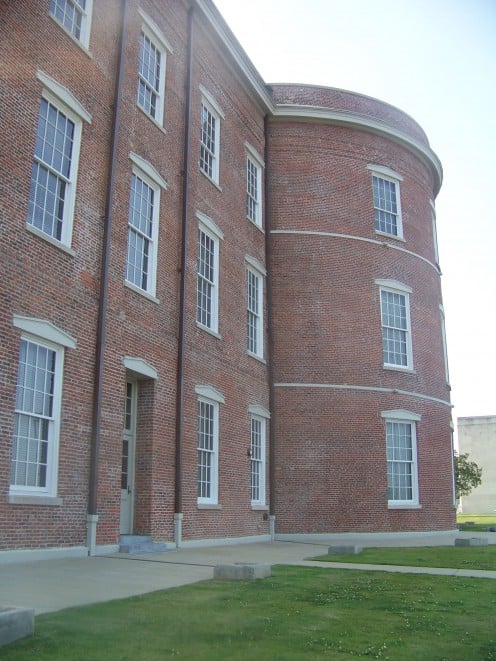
52	170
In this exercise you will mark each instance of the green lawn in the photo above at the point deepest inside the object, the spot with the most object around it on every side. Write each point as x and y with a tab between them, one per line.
298	613
458	557
476	522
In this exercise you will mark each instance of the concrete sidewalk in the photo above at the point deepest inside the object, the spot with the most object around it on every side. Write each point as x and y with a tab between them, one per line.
50	585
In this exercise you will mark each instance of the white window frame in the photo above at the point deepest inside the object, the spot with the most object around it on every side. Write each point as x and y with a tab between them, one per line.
386	174
253	197
62	100
407	418
257	460
44	334
145	171
208	396
445	345
151	31
434	233
256	272
85	12
398	288
209	229
210	152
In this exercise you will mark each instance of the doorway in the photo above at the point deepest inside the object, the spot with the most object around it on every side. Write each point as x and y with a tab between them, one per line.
128	459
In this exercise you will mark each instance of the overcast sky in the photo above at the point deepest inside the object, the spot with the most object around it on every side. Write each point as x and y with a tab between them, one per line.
436	61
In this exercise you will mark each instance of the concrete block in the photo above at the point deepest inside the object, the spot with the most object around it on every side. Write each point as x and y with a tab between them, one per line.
242	571
337	550
471	541
15	623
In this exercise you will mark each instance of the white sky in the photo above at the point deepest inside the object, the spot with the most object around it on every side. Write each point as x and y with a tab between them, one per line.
436	61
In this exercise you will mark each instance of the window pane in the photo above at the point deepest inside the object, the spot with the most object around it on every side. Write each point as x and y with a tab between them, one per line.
253	311
207	141
257	460
140	232
70	14
385	206
206	449
51	170
149	76
252	191
34	410
395	327
400	461
205	280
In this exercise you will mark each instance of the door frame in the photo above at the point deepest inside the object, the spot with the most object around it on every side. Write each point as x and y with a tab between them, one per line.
129	435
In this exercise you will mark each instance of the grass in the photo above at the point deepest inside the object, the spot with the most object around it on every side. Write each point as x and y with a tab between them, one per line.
476	522
298	613
457	557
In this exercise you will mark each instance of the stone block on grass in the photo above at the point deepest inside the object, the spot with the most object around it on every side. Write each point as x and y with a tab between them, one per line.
242	571
471	541
15	623
350	549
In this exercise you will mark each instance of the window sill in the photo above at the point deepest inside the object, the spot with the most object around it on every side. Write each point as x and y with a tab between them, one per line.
212	181
397	368
208	330
404	506
257	225
209	506
259	508
49	239
72	37
32	499
142	292
390	236
256	357
152	119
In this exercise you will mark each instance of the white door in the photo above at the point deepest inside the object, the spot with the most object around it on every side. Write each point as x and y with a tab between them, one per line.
128	451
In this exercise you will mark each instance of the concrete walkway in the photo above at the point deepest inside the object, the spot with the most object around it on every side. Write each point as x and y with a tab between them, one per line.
50	585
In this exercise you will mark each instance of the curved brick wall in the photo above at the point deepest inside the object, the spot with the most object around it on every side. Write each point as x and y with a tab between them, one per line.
331	385
337	99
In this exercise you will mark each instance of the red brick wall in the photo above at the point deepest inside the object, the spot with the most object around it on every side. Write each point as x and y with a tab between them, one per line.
330	442
223	363
43	281
66	290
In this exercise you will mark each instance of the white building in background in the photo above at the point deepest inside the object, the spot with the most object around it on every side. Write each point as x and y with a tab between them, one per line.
477	436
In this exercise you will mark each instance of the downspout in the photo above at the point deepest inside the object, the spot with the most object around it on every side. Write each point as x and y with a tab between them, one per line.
178	492
92	518
270	337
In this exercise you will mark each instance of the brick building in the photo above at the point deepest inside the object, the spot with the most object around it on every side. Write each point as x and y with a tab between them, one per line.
218	318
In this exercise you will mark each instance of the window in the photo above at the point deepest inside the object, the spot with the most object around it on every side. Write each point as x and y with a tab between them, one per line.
74	16
208	444
253	186
254	306
37	408
434	234
257	460
34	417
387	208
401	451
395	318
445	347
143	220
210	136
56	155
50	199
141	247
207	292
151	74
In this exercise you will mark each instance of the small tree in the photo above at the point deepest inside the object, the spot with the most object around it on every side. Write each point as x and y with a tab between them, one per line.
467	473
